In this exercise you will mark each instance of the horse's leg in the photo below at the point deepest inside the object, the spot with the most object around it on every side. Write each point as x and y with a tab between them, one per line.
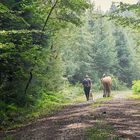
106	90
108	93
104	95
109	90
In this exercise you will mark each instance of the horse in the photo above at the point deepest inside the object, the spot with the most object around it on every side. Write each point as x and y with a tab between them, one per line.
107	83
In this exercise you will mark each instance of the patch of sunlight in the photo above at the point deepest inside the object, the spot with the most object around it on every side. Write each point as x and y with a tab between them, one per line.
126	132
136	115
131	111
76	125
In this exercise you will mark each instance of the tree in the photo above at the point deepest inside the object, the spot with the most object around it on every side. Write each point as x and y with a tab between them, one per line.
127	15
94	50
30	58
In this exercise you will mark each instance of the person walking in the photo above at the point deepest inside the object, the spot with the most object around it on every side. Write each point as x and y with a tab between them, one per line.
87	86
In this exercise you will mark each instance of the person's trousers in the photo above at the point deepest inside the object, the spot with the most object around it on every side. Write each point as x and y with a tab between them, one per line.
87	92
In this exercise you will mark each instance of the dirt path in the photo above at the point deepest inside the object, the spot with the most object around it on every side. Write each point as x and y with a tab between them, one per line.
124	116
71	122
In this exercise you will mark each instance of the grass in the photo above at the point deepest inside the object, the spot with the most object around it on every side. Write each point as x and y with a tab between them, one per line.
101	131
135	96
100	101
8	138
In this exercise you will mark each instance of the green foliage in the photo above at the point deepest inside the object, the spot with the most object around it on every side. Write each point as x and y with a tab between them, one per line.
127	15
16	63
98	47
10	20
101	47
93	52
14	115
72	93
126	57
30	60
136	87
118	85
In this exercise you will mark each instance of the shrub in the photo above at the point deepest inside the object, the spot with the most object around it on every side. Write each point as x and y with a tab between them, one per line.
136	87
117	84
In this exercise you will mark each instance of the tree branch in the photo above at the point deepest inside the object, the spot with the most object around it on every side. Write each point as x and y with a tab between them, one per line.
46	21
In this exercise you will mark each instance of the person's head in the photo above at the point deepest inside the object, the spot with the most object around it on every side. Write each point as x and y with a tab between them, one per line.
86	76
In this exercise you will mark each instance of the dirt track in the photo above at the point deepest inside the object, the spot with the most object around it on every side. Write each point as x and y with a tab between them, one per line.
71	122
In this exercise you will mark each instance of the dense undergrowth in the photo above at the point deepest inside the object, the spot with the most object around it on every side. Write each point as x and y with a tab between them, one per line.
13	116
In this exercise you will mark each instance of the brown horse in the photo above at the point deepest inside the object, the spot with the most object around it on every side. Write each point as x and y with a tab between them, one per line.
107	83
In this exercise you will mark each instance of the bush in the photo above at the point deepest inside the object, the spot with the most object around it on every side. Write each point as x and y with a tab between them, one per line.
136	87
118	85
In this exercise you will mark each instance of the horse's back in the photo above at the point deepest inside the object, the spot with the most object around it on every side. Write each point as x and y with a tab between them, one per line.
106	80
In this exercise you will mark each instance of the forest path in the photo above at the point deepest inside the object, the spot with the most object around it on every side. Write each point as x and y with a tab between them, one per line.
71	122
